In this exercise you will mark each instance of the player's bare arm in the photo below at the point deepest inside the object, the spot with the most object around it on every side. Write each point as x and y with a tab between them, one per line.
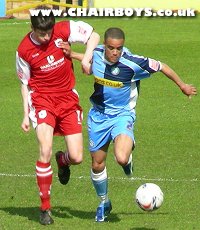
91	45
187	89
69	52
77	56
25	123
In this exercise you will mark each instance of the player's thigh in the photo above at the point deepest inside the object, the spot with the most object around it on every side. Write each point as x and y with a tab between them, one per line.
123	137
99	158
100	155
45	134
74	144
123	145
45	138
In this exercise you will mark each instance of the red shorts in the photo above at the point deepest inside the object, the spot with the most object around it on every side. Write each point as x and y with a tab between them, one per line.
61	111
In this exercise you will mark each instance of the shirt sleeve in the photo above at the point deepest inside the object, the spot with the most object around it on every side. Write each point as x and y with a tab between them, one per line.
154	65
79	32
23	69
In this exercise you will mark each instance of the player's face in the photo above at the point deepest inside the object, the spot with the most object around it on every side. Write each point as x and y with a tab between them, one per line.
43	37
113	49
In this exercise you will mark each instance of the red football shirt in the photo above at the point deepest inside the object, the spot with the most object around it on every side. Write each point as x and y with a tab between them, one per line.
44	68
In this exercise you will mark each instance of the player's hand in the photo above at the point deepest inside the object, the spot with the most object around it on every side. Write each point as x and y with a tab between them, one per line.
189	90
86	67
66	48
25	124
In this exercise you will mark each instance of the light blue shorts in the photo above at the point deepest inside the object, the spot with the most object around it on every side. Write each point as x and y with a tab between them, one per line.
103	128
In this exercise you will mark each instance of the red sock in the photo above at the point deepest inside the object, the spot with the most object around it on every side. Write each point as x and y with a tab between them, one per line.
64	159
44	181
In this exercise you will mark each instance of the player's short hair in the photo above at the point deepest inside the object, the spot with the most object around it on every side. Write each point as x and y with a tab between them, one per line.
41	22
114	32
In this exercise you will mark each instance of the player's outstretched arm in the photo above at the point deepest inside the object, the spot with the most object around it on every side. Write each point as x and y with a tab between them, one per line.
76	56
187	89
79	57
69	52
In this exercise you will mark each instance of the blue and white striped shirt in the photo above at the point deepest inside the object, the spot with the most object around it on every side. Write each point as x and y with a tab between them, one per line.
116	85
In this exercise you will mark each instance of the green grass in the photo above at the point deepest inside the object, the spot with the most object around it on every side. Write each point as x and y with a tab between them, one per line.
166	131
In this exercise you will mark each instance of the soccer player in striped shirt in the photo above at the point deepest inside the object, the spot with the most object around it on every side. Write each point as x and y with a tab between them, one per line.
117	74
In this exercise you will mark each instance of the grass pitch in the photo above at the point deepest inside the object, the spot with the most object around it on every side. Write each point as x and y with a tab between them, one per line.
166	131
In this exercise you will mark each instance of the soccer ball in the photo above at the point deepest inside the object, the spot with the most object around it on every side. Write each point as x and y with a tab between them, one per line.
149	197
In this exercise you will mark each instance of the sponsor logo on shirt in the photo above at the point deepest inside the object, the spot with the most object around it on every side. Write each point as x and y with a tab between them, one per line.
57	42
108	83
115	71
50	59
52	64
35	55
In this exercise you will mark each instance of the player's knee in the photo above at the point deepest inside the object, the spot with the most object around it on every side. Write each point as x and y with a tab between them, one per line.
45	153
76	158
98	167
122	160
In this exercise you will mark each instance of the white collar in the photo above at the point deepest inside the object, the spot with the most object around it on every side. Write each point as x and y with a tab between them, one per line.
33	40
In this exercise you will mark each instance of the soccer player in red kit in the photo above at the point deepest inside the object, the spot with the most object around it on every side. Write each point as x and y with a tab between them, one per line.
49	98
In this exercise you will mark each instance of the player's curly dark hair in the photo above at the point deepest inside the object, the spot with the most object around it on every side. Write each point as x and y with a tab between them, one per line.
41	22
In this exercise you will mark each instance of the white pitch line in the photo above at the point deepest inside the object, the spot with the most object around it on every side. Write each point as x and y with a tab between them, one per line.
16	175
13	23
112	178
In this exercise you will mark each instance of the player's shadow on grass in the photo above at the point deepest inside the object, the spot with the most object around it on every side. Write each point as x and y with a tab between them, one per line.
143	228
32	213
64	212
